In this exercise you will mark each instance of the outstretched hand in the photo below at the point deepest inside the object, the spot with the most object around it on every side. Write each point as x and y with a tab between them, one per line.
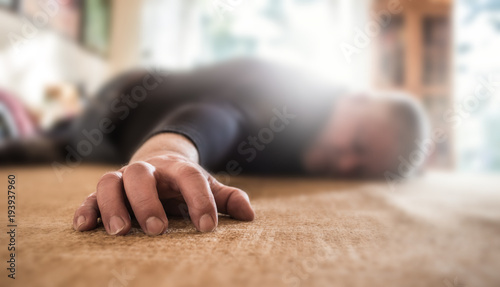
151	189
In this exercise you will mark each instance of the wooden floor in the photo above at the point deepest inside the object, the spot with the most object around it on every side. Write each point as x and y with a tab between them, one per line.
439	230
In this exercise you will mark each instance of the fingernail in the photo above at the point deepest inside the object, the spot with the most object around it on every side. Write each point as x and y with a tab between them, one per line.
116	224
154	226
79	222
206	223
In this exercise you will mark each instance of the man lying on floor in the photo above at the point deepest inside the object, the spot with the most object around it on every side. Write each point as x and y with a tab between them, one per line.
240	117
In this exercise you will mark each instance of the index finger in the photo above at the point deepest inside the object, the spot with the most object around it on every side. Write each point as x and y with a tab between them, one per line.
194	187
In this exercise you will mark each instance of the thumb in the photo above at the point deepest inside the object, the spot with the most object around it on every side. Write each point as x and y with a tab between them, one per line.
231	200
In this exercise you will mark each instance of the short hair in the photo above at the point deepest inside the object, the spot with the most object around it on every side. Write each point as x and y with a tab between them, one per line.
413	125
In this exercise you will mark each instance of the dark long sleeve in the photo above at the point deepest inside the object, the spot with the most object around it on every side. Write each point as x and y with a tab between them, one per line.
213	127
230	112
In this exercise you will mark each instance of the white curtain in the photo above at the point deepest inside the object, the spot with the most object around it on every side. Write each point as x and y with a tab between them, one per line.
477	84
182	34
170	33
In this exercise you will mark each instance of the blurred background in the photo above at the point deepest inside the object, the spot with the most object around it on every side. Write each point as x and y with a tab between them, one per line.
55	54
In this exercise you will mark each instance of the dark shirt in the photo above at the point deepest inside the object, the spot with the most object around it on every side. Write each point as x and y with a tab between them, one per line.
244	116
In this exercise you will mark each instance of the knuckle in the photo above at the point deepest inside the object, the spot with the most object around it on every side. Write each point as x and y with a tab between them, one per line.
88	206
80	209
189	170
214	183
203	203
83	210
107	178
111	175
138	167
142	203
92	196
165	159
242	194
174	157
237	195
105	203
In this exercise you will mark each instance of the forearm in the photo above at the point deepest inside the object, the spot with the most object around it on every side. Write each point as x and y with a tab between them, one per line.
204	132
166	143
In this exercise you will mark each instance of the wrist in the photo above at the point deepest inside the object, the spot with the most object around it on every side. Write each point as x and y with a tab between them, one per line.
164	144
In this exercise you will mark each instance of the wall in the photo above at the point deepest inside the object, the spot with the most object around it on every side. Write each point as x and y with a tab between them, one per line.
31	59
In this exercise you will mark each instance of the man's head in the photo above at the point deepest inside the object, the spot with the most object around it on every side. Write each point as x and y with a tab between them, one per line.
367	134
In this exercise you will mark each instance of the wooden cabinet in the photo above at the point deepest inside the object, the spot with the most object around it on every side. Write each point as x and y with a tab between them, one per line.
413	54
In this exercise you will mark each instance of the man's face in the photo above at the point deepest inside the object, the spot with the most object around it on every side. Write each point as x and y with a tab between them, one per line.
360	140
